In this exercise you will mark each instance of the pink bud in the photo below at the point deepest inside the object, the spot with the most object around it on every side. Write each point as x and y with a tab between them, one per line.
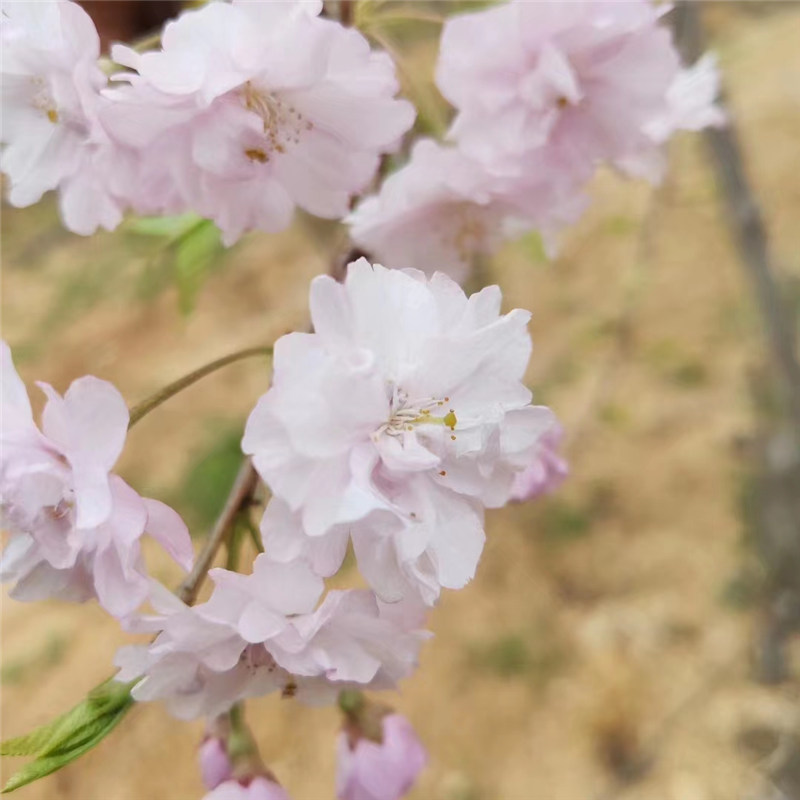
215	766
380	770
259	788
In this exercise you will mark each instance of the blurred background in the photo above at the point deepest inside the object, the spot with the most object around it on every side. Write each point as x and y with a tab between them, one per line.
630	636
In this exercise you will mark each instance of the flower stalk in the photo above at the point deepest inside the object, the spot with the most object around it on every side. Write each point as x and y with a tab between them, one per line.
161	396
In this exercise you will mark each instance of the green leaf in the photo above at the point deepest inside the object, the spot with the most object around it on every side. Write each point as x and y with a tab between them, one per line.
171	227
47	764
38	741
69	736
195	252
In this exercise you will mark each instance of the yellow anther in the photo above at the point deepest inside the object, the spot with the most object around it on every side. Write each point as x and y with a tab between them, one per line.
256	154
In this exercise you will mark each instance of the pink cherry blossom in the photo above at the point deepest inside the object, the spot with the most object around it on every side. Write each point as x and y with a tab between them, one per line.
254	108
258	788
546	471
215	765
406	411
569	84
443	209
385	770
52	137
75	526
435	213
263	633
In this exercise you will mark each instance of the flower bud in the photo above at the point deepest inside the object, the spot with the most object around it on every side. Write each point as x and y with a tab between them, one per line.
377	761
258	788
215	766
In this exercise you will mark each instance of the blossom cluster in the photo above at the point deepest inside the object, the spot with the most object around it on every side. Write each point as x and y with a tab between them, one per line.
403	416
544	92
75	526
263	632
393	426
247	111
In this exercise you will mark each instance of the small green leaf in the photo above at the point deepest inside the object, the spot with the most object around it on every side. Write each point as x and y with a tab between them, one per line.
171	227
47	764
38	741
69	736
195	252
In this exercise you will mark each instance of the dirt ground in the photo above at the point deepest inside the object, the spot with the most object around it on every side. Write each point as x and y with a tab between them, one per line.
603	650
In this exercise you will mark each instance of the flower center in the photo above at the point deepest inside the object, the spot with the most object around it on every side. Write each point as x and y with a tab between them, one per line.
470	232
42	100
406	414
59	511
255	658
282	124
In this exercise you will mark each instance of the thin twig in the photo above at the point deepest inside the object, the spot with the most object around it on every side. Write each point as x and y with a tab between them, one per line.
239	497
146	406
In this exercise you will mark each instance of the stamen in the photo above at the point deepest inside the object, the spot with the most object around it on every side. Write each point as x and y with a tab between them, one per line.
282	125
406	414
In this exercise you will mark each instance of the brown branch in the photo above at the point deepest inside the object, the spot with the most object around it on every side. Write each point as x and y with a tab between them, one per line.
239	497
746	222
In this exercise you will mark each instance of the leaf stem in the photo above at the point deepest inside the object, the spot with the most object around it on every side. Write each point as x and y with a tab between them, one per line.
161	396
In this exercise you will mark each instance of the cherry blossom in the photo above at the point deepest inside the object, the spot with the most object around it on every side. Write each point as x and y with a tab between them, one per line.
76	528
569	84
254	108
261	633
436	210
443	209
51	133
379	770
404	411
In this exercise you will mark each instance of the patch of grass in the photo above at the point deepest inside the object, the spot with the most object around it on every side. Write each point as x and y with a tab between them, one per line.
676	366
614	415
516	655
562	522
690	374
507	656
48	655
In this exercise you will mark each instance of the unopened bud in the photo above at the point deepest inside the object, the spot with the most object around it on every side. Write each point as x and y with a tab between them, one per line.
215	766
379	755
257	788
